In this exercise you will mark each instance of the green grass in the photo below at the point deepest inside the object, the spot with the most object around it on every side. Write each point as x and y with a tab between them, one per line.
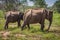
1	14
34	33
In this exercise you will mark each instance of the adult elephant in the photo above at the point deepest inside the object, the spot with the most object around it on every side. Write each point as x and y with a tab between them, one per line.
32	16
13	16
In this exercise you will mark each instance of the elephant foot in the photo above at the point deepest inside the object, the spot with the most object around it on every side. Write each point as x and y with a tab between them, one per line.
21	28
5	28
28	29
42	30
18	26
47	30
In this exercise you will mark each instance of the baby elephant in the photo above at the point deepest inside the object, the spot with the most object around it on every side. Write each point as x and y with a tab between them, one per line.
13	16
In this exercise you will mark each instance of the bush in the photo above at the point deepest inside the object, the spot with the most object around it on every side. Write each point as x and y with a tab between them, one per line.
1	14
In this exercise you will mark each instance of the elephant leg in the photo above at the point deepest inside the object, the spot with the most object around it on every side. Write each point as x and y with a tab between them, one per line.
42	24
49	25
22	27
6	25
19	23
28	26
42	27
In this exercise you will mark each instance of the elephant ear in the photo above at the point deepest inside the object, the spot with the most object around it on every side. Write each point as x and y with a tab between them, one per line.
21	14
50	14
47	14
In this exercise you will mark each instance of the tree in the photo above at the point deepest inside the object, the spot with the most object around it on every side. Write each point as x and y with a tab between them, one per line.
24	3
14	4
57	5
39	3
10	4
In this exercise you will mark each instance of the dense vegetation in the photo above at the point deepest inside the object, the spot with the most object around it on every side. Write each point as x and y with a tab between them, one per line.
57	5
1	14
15	4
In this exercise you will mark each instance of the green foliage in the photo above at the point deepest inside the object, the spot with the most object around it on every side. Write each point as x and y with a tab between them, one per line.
57	5
23	1
39	3
56	18
11	4
1	14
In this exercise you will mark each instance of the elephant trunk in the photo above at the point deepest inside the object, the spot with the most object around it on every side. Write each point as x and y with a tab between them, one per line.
50	18
50	22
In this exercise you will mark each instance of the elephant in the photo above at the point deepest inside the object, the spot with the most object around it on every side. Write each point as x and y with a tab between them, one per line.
13	16
32	16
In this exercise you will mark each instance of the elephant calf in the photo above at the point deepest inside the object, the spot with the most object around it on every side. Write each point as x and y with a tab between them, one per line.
13	16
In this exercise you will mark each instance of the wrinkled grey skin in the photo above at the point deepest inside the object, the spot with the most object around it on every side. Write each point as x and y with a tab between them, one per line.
13	16
39	17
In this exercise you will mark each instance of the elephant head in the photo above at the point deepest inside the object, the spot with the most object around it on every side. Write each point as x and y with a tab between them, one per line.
49	17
